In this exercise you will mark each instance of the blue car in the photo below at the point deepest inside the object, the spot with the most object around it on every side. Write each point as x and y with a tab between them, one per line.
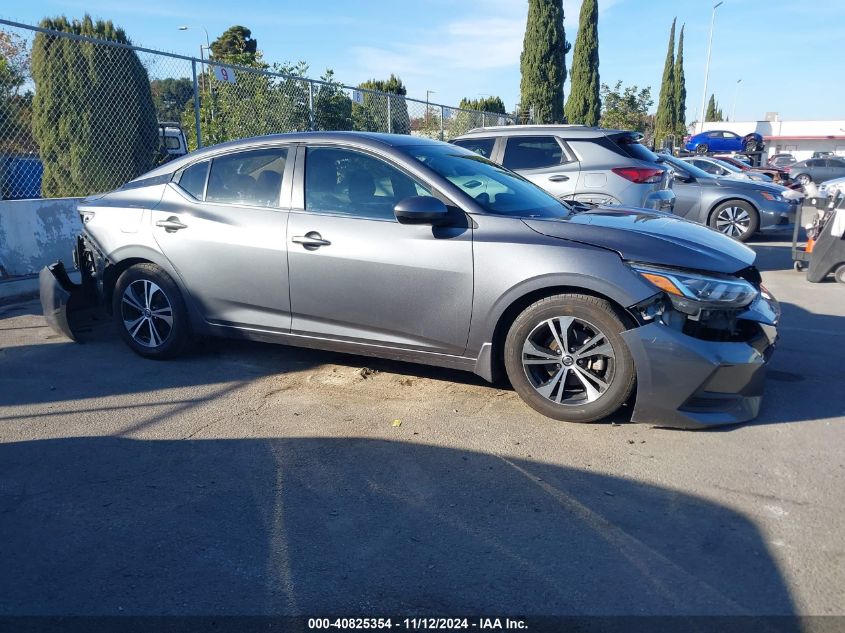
724	141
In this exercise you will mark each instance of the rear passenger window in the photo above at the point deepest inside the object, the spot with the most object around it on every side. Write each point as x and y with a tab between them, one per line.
481	146
192	179
252	178
532	152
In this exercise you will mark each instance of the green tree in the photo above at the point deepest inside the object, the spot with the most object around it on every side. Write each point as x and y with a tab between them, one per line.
625	109
471	114
371	115
484	104
584	103
332	107
543	62
235	46
680	90
170	96
665	119
93	113
713	112
15	103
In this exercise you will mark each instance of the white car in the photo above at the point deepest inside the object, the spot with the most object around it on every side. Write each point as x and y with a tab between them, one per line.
830	187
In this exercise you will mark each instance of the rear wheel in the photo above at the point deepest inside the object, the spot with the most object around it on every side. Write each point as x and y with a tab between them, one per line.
736	219
702	149
565	357
839	274
150	313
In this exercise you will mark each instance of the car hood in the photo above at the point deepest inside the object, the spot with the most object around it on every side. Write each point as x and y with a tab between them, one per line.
650	237
745	185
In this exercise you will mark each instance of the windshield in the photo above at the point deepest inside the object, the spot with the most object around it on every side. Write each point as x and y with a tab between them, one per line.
493	188
729	166
692	170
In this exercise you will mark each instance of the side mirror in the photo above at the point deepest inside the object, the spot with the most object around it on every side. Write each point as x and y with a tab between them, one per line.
421	210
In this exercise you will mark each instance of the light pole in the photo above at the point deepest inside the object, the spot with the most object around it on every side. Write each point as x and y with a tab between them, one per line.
707	67
427	92
736	93
206	47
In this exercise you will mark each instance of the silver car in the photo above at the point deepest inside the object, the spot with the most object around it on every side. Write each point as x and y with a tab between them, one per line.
724	169
737	208
406	248
575	162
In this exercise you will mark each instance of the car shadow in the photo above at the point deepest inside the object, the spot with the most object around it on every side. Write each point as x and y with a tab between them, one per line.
108	525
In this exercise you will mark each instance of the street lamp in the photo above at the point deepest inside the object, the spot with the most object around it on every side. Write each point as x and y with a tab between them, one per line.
707	68
736	92
207	47
427	92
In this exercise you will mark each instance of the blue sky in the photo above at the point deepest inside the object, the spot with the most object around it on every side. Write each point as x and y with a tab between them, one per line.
787	56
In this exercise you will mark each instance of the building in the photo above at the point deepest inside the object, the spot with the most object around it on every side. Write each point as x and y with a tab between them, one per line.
799	138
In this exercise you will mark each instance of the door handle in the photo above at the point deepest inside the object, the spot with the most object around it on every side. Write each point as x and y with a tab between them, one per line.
558	178
311	240
171	224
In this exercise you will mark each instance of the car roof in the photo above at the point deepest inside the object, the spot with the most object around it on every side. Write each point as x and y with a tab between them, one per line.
571	130
377	140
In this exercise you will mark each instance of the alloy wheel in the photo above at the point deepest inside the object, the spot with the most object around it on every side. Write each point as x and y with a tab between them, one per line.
146	313
733	221
568	360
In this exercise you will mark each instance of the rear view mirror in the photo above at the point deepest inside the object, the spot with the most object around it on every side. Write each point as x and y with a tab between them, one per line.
421	210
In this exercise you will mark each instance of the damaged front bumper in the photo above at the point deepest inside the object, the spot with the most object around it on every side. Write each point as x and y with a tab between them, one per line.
65	303
684	381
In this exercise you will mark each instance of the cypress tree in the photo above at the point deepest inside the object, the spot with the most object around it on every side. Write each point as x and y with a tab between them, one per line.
584	103
543	61
680	89
714	112
93	114
664	122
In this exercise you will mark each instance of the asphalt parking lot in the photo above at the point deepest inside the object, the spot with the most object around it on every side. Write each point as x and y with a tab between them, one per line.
260	479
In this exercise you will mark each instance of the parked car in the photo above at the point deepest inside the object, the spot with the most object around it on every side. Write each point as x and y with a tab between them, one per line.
817	170
575	162
781	160
403	247
721	168
830	188
779	176
823	155
724	141
737	208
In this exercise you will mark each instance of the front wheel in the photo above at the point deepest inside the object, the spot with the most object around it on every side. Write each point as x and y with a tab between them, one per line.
839	274
750	146
736	219
702	149
804	180
565	357
149	312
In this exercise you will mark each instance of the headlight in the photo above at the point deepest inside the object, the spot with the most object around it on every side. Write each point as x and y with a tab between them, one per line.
768	195
691	292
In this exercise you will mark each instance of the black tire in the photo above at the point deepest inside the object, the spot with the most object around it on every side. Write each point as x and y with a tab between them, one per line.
702	149
803	179
750	146
839	274
798	266
589	314
144	298
727	218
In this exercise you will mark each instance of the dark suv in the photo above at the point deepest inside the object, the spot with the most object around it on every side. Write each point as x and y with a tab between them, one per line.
576	162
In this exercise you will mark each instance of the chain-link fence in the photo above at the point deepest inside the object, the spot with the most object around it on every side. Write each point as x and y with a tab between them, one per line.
80	115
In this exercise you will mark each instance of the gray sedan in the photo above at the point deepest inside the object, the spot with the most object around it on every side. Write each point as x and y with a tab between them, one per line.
412	249
737	208
817	170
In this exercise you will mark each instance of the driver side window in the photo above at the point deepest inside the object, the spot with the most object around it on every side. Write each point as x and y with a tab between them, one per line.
347	182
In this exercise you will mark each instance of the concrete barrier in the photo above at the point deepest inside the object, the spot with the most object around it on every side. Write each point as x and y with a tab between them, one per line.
34	233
